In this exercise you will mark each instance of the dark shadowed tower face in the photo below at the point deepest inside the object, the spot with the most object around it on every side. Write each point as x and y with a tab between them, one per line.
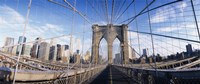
110	33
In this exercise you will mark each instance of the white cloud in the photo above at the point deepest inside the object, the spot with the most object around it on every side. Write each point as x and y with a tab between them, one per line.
7	12
51	26
178	26
168	29
12	21
101	23
132	34
182	6
168	12
163	14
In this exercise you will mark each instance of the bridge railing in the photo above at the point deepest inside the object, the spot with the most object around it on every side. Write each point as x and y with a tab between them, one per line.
9	62
28	63
51	77
161	76
166	65
46	72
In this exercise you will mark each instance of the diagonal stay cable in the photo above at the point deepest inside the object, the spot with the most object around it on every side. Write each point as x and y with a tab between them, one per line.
166	36
112	12
143	12
125	10
60	4
106	6
23	35
95	9
73	9
117	12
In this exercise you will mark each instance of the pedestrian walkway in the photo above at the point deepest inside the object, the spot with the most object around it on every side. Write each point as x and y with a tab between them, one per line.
112	76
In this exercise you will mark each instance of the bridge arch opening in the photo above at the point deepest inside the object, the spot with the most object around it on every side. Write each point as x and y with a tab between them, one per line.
117	55
110	32
103	51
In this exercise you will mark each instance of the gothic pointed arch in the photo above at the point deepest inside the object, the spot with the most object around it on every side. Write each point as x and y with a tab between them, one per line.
110	33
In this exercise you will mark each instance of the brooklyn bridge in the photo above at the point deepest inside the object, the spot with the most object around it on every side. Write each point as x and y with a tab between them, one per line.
99	42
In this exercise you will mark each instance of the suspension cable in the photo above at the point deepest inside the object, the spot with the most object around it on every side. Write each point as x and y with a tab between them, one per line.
103	10
73	9
143	11
167	36
195	18
136	23
83	39
106	6
125	10
23	35
95	9
112	14
152	42
120	8
60	4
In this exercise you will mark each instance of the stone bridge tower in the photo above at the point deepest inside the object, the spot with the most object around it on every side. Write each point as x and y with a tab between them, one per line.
110	33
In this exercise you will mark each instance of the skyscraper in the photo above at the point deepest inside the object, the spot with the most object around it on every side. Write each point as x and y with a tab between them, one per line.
189	49
35	48
66	54
77	58
118	58
77	51
21	47
87	57
9	42
53	50
145	52
27	50
66	47
62	51
58	52
53	53
131	53
78	45
14	50
44	51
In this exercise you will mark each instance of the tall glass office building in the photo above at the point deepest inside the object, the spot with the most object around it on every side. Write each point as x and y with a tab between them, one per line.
21	40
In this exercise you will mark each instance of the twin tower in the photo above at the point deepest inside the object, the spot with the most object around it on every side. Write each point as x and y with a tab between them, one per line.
110	32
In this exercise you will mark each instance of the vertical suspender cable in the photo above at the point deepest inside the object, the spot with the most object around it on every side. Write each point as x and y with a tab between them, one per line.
83	38
104	12
26	23
138	36
130	38
195	18
71	37
131	51
152	39
183	16
112	13
106	5
84	33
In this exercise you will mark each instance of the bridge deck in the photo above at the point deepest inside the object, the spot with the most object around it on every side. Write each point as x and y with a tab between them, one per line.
112	76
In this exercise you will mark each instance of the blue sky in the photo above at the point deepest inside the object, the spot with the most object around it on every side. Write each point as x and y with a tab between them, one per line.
48	20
